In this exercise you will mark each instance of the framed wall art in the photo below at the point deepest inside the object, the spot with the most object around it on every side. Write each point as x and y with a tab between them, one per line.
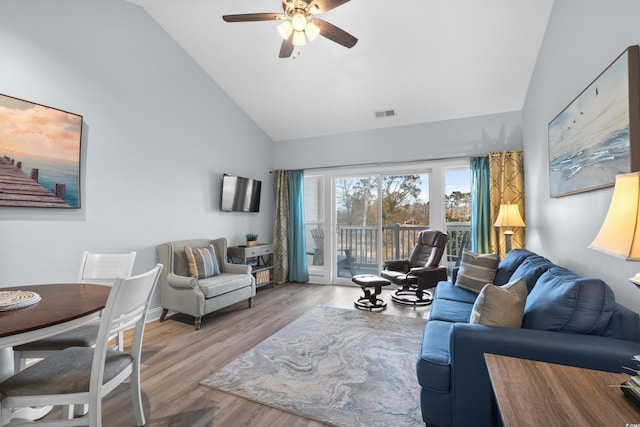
596	137
39	155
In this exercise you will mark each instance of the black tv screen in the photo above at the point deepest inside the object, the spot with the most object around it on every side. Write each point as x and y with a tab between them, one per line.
240	194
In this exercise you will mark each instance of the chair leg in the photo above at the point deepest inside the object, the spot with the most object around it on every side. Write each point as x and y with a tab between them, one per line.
5	415
136	397
198	321
95	413
163	316
250	302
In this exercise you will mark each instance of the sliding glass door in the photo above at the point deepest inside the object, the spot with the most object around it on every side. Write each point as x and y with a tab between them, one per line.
376	217
356	224
358	218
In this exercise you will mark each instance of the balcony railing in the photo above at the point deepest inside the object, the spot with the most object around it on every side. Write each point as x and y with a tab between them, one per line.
361	243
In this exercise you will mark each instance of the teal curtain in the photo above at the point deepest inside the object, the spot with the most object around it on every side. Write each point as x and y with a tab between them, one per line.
298	271
480	206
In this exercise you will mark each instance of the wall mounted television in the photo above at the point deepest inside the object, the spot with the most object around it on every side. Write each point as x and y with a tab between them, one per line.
240	194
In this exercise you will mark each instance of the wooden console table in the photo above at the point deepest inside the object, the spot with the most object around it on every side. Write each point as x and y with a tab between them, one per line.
531	393
263	253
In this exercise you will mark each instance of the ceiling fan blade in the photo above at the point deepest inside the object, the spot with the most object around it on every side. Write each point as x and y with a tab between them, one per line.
335	34
250	17
286	49
326	5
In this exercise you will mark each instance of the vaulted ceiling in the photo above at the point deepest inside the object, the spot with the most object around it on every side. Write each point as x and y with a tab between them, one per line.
428	60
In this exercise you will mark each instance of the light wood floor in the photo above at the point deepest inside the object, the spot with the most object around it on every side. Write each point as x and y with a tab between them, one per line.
176	358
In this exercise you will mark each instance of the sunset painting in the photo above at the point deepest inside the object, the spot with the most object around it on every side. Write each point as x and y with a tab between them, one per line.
589	141
39	155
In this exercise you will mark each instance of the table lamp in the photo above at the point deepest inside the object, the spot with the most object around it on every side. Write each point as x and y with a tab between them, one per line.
619	234
509	216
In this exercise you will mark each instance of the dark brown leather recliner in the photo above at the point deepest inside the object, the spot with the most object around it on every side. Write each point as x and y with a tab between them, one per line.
421	271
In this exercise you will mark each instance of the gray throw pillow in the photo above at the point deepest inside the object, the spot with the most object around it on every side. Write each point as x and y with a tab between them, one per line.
476	270
501	305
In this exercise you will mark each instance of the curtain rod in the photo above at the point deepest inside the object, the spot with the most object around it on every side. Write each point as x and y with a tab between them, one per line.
388	163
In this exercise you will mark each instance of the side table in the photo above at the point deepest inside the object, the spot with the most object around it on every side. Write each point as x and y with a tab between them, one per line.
532	394
262	252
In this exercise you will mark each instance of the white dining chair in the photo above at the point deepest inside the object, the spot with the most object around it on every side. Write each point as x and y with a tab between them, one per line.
84	375
103	269
96	268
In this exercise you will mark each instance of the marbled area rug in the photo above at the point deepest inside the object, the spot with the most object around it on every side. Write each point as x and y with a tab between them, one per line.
338	366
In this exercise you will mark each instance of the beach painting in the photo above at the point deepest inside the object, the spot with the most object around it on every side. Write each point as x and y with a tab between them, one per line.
39	155
590	140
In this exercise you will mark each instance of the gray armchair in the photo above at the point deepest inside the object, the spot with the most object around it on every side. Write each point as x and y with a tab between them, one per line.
196	297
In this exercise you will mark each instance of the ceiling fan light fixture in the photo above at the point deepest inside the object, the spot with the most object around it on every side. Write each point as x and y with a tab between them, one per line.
311	30
298	38
285	29
299	21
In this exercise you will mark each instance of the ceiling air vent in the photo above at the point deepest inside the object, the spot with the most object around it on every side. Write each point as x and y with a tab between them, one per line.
385	113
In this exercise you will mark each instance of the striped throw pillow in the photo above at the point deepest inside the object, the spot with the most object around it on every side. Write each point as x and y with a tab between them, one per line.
202	262
476	270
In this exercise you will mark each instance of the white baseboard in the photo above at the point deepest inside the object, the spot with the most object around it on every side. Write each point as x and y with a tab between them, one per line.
154	314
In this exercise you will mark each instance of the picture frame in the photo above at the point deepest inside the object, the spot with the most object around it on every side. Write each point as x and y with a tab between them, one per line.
596	136
39	155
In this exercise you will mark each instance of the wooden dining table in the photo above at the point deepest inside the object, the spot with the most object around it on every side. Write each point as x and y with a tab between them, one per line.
62	307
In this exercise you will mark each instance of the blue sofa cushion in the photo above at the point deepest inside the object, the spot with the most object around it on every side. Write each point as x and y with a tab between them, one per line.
447	290
450	311
531	269
562	301
433	365
509	264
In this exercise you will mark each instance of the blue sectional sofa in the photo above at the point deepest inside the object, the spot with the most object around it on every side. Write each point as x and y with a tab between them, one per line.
568	319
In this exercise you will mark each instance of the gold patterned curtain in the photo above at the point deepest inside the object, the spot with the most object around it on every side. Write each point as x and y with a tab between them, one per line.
281	227
506	176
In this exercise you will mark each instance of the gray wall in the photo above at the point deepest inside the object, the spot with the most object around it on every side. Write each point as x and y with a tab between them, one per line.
445	139
158	134
583	37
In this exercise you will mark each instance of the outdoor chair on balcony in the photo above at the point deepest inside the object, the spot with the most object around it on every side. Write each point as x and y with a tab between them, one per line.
344	262
464	244
420	272
318	253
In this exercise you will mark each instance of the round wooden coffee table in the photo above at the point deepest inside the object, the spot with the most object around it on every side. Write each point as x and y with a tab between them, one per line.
370	300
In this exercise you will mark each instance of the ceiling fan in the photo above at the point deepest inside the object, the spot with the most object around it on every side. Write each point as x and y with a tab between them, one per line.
300	23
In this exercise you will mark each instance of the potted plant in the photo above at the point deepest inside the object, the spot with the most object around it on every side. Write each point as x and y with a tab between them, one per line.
252	239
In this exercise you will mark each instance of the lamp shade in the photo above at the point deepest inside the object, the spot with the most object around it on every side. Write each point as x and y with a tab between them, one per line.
509	216
619	234
312	30
285	29
298	38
